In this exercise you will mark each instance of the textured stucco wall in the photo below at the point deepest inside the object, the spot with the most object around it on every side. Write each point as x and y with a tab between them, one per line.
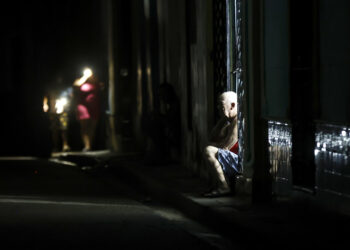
173	42
202	81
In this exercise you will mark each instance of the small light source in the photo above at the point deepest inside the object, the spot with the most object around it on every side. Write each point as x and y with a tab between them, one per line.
87	73
60	103
343	133
45	104
316	151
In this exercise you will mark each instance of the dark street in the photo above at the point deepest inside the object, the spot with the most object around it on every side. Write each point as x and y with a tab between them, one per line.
163	124
48	205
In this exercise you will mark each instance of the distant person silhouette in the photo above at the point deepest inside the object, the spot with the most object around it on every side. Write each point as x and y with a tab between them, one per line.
163	127
88	107
56	103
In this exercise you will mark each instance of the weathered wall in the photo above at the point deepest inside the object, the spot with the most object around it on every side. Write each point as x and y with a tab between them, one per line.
185	63
202	84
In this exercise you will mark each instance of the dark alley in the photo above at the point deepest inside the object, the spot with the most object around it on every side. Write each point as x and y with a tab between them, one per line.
207	124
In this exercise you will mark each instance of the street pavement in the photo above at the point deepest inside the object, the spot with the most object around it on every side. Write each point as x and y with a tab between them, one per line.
58	204
92	185
294	222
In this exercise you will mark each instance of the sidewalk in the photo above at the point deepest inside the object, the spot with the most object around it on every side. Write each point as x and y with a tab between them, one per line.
284	223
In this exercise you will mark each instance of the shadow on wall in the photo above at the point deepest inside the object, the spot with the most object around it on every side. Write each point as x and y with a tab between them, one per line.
162	128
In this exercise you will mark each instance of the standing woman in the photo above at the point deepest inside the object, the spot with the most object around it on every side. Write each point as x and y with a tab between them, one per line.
88	107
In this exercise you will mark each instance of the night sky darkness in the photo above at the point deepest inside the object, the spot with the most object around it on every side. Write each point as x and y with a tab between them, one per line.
43	40
68	35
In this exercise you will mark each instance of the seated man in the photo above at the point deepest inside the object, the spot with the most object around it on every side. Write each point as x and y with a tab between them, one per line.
221	153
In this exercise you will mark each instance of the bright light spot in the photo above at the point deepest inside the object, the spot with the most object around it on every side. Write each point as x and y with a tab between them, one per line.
45	104
86	87
45	107
316	152
60	103
343	133
87	72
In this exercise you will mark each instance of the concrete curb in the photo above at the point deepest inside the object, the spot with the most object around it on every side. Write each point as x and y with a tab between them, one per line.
242	229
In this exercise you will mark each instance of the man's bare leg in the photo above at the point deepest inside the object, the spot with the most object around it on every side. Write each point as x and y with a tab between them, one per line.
211	158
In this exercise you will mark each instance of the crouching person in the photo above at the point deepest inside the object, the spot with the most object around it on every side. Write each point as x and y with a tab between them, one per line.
221	153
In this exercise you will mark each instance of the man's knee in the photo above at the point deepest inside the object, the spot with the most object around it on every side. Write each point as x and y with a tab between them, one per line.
210	153
206	152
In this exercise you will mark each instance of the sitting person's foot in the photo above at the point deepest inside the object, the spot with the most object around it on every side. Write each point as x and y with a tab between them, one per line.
86	149
218	192
66	149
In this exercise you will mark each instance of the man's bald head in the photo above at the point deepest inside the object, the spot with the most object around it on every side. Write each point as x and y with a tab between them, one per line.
229	96
228	104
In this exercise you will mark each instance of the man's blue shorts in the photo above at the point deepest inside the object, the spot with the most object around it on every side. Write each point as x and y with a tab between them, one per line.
229	163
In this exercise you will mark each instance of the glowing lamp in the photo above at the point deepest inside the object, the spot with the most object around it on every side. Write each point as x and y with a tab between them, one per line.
60	103
87	73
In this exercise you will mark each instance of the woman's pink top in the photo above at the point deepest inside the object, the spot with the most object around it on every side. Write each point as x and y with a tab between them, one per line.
88	106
